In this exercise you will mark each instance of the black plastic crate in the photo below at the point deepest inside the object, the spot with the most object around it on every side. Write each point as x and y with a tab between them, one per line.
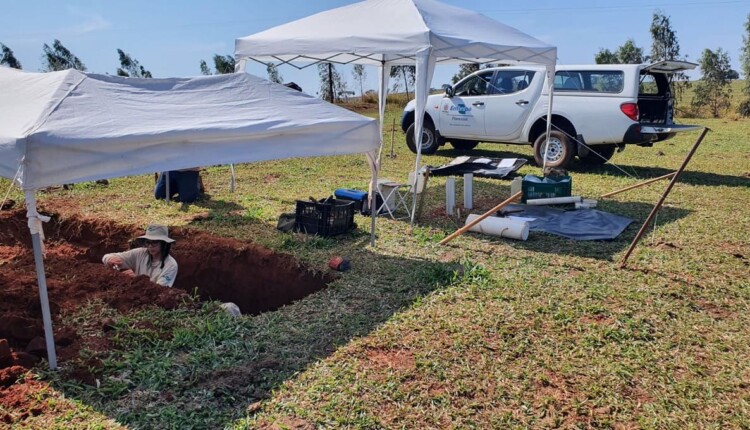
327	217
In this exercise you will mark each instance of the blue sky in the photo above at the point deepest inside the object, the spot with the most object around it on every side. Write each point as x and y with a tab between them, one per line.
170	38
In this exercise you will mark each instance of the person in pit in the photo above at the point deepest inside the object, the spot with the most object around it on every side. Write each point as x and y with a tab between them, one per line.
151	259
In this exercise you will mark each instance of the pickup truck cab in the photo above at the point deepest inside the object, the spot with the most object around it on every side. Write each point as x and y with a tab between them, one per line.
596	110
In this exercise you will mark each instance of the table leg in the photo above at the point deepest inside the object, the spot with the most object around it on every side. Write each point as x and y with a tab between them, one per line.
450	195
468	190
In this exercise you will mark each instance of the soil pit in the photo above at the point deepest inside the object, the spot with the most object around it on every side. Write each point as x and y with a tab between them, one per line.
254	278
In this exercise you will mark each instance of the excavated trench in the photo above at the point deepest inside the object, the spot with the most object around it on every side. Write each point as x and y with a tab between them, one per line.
254	278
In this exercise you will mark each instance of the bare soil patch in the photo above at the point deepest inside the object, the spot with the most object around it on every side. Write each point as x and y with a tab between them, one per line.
216	268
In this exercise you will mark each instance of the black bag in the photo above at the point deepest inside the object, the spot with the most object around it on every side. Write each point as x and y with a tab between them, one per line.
286	222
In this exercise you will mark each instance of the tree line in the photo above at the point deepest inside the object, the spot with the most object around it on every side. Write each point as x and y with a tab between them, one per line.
712	91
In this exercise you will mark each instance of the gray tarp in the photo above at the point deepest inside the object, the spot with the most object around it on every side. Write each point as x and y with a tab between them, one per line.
580	224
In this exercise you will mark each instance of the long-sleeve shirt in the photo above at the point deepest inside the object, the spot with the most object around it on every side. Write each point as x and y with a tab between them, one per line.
137	261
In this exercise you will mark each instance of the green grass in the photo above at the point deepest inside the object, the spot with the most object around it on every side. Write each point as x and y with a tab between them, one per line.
481	333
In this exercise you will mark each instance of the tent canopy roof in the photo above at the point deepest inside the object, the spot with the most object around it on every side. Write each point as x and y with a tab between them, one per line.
69	126
357	34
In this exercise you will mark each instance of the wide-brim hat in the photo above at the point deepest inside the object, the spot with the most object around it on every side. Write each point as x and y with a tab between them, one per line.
157	232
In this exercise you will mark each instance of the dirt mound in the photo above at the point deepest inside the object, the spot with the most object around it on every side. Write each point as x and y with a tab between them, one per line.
254	278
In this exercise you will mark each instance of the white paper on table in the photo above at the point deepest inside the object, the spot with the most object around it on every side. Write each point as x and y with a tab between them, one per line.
507	162
459	160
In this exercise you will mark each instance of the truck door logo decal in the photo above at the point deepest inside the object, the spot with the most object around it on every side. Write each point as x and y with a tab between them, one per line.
461	109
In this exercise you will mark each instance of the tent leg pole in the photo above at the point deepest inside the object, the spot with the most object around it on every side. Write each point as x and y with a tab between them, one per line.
43	297
548	131
374	165
663	197
231	180
372	223
35	221
166	183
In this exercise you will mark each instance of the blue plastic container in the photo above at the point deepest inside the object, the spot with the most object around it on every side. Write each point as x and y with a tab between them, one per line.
358	197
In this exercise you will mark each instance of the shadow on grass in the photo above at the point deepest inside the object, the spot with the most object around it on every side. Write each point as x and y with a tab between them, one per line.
203	369
687	177
449	151
220	212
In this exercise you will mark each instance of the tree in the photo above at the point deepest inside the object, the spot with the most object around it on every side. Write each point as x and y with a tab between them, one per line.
744	107
130	67
664	46
464	70
629	53
332	84
205	70
605	56
58	57
8	58
273	74
408	73
222	63
359	75
713	91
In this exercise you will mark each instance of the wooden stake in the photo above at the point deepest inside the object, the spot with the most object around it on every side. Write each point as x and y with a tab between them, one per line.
465	228
663	197
393	129
668	175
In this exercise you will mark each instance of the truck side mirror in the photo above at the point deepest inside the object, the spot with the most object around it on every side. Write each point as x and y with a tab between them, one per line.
448	91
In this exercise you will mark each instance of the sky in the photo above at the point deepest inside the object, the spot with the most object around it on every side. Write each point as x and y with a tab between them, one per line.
170	38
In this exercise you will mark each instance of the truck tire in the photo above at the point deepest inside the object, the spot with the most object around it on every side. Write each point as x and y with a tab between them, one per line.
430	139
560	152
605	153
464	145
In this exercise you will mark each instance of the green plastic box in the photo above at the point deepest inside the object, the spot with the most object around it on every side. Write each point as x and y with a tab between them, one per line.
535	187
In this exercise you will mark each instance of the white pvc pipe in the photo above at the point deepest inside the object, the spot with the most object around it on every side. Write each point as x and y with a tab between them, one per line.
450	195
554	201
468	190
502	227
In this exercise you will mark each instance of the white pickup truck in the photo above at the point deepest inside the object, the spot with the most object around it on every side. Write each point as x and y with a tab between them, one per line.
596	109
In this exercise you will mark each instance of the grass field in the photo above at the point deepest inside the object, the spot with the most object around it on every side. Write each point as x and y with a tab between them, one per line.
481	333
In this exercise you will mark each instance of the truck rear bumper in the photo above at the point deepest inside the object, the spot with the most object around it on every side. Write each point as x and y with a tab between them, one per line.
640	134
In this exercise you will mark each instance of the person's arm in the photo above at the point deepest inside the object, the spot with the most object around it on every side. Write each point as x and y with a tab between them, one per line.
113	261
121	260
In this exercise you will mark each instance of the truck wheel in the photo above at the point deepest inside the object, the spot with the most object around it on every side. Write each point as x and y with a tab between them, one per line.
464	145
430	140
605	153
560	151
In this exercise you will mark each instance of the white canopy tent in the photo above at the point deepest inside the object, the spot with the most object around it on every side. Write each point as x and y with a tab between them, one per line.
386	33
67	127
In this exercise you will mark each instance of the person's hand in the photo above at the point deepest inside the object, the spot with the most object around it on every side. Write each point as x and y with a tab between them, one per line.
115	262
129	273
